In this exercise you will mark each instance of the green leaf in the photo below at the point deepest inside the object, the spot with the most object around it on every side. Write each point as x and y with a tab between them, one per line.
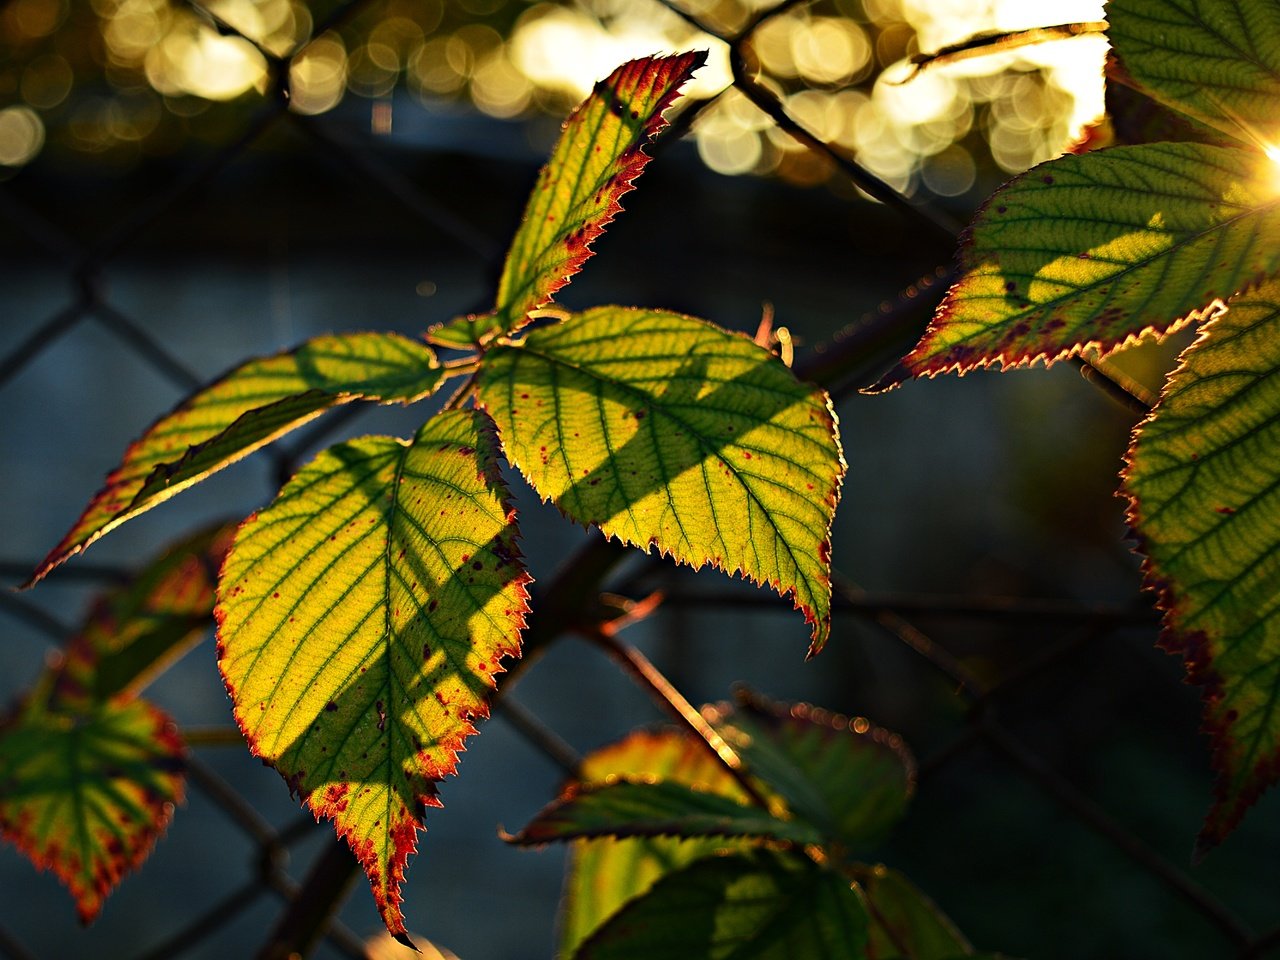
134	632
848	778
86	789
247	409
1205	503
362	619
666	431
1098	250
748	906
629	808
594	163
1215	60
905	924
604	874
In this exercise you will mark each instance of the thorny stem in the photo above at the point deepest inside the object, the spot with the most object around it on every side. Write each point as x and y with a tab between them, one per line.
666	696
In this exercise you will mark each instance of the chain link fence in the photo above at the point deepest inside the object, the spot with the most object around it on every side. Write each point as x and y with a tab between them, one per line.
1070	635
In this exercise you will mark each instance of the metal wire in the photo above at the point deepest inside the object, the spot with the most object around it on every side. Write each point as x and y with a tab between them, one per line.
267	876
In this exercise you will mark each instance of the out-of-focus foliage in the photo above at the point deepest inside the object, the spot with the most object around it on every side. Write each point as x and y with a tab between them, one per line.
116	80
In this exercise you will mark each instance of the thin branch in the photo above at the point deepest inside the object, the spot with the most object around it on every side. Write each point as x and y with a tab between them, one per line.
23	609
221	913
536	733
313	904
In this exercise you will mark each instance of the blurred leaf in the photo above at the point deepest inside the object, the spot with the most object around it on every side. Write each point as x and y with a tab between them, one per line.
747	906
1100	249
604	874
627	808
86	788
137	630
362	618
1215	60
666	431
247	409
848	778
905	924
593	164
1205	504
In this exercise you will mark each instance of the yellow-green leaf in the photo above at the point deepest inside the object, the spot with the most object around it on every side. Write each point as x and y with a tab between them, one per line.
604	874
1205	504
1215	60
1101	249
362	618
87	788
248	408
596	160
666	431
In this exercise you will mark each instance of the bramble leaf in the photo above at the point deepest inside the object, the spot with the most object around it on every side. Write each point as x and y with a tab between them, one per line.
748	906
1217	61
846	777
905	924
137	630
604	874
247	409
666	431
86	787
362	618
1100	249
645	808
593	164
1205	505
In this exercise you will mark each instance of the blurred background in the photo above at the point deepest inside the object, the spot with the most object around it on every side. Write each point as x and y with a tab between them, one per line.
165	212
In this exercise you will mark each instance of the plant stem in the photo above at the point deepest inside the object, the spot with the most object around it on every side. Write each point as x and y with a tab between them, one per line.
303	923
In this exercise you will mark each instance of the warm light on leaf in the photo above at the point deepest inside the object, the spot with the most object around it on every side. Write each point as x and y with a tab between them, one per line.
86	787
1099	249
666	431
245	410
1205	505
362	618
594	163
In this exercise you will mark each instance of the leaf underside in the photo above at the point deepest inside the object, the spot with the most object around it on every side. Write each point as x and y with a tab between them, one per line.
1204	502
362	618
636	808
1215	60
746	906
248	408
595	162
604	874
1099	250
666	431
848	778
87	787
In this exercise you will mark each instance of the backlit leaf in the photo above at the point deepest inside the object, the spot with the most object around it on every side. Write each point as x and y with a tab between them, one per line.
1215	60
755	905
1100	249
135	631
848	778
905	924
245	410
635	808
362	619
1206	508
666	431
86	788
604	874
594	163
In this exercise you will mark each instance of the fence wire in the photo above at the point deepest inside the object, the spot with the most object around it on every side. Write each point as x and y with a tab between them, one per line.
313	902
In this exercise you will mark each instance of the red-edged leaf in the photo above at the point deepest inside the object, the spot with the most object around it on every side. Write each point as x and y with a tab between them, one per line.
86	788
362	618
1096	251
1205	505
594	163
246	409
668	432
